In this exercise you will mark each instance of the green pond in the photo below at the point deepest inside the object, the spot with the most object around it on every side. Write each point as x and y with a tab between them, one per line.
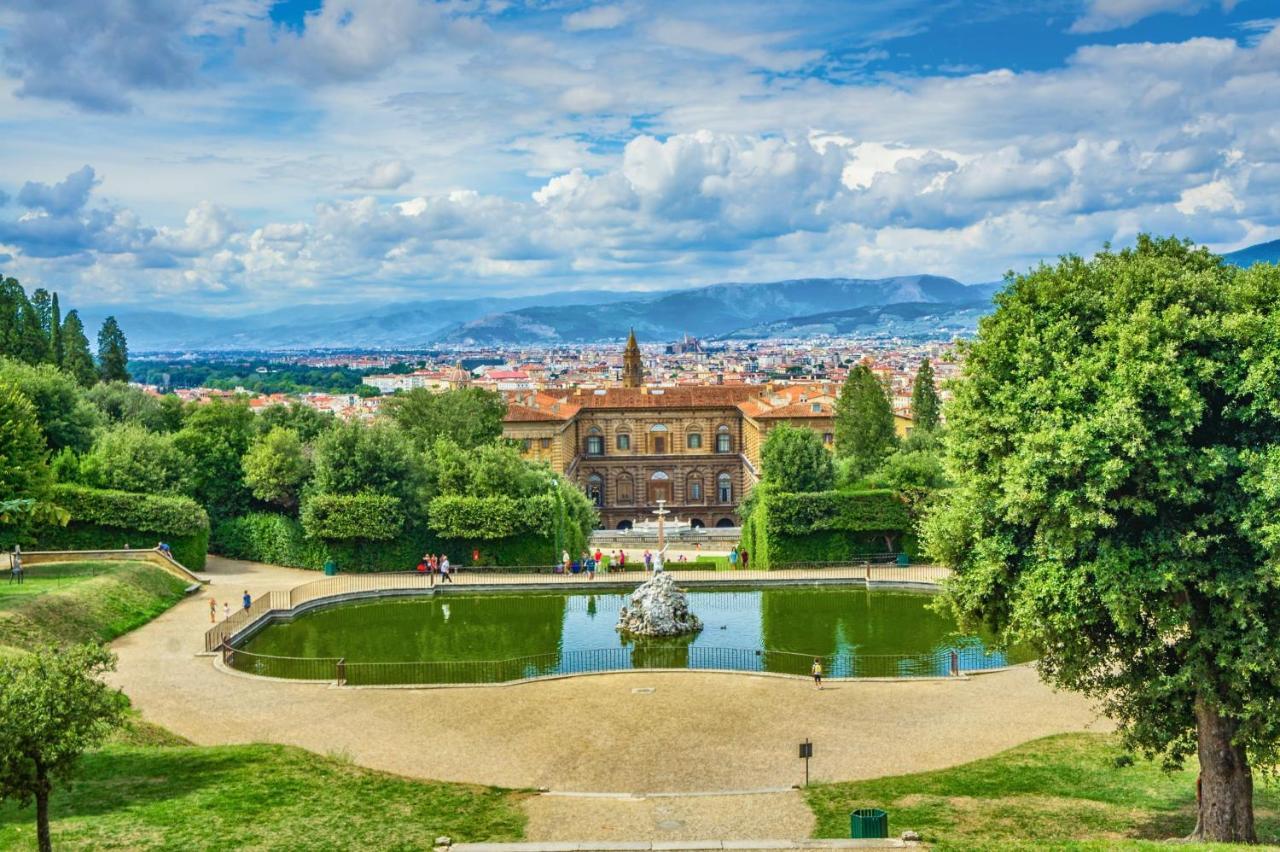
487	637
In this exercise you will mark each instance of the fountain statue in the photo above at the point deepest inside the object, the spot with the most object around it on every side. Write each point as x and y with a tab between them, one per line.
658	608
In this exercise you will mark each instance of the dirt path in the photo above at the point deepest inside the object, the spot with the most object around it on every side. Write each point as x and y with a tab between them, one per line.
692	732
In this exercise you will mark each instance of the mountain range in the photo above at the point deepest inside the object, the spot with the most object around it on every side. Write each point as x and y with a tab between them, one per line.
911	306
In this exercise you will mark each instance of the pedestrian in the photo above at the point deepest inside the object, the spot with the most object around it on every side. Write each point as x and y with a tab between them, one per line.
422	565
733	558
15	565
599	556
816	671
165	549
744	556
213	611
247	600
591	567
648	560
622	560
444	569
226	609
564	562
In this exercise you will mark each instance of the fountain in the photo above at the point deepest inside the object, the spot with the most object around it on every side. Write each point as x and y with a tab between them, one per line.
658	608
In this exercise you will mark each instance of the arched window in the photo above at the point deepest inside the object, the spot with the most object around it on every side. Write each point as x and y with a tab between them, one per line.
694	440
659	487
595	442
623	441
724	488
595	489
625	492
725	522
694	489
724	441
658	439
696	523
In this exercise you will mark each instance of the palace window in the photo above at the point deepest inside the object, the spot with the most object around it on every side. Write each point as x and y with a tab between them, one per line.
595	489
625	491
724	441
526	444
694	440
545	443
623	441
695	490
828	438
595	442
724	485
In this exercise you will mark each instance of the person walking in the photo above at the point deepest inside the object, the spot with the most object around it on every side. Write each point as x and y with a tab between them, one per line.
744	556
15	565
733	558
564	562
648	561
226	609
599	556
816	671
247	600
591	567
444	569
213	611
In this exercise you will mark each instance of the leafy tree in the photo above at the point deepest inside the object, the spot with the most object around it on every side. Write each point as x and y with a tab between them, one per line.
276	468
24	468
125	403
926	408
1116	446
306	421
55	707
915	474
353	457
491	470
864	421
794	460
113	352
42	304
216	435
127	457
21	336
66	418
469	417
76	359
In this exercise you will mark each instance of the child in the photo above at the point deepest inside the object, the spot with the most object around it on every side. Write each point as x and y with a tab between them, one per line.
817	672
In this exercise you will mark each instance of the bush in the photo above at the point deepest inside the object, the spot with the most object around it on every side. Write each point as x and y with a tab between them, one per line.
108	520
343	517
268	537
824	526
488	518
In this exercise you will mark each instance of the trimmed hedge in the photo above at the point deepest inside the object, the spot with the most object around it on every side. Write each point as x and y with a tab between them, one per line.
108	520
268	537
347	517
825	526
490	518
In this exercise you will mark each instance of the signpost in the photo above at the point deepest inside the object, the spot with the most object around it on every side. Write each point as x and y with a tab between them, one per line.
806	752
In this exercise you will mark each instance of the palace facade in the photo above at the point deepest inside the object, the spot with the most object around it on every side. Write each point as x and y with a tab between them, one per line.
697	448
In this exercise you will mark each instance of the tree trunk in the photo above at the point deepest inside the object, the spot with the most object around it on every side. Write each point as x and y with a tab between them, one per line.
1226	782
42	812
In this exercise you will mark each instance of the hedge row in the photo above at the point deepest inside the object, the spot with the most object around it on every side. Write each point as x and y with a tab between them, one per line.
342	517
825	526
490	518
110	520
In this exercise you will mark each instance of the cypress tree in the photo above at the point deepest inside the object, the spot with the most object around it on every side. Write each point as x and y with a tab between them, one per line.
864	421
113	352
925	406
55	331
76	358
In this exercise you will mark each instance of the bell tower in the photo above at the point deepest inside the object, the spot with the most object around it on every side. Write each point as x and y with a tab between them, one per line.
632	368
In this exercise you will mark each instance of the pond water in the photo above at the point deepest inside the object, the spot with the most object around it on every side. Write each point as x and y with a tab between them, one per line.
487	637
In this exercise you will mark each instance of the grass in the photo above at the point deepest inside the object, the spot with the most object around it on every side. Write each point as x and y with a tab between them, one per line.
164	796
39	579
78	607
1072	791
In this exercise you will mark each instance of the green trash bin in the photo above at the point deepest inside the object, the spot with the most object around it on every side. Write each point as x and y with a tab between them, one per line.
903	560
868	823
330	568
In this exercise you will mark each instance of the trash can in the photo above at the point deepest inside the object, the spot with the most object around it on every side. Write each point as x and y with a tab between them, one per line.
330	568
868	823
903	560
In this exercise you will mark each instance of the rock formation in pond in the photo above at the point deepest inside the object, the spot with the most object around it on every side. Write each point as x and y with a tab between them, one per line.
658	608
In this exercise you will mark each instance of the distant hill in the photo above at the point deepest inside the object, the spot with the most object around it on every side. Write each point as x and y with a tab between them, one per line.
922	320
1260	253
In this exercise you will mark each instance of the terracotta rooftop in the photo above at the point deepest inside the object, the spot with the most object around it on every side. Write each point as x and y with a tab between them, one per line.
705	396
532	406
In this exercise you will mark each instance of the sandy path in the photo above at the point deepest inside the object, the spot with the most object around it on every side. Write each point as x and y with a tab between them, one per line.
693	732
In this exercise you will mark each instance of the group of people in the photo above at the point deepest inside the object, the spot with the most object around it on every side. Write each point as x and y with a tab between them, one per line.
739	556
246	601
431	565
587	563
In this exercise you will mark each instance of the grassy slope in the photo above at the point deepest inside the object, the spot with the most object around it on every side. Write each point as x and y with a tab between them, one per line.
126	595
1066	791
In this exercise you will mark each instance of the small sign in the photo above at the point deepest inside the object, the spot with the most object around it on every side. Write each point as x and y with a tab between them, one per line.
806	750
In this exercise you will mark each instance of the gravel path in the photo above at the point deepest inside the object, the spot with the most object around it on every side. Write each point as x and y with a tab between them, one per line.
693	732
776	816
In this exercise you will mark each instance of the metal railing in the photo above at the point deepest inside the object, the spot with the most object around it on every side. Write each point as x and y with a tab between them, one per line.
943	662
345	585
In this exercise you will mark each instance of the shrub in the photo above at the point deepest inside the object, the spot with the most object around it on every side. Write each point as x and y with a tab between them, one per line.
268	537
488	518
342	517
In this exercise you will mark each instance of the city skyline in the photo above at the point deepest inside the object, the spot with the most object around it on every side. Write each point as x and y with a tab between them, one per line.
235	156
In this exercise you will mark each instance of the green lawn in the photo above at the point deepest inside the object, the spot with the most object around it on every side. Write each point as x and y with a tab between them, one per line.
1072	791
256	797
39	579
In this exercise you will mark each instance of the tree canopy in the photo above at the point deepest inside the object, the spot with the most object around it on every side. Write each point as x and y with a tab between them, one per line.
276	468
468	416
216	435
76	359
125	403
926	408
65	417
54	707
795	460
24	468
128	457
1115	441
864	421
113	352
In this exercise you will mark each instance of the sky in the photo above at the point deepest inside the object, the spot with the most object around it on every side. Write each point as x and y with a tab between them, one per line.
231	156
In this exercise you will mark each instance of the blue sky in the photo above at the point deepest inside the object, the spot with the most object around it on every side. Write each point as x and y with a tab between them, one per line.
238	155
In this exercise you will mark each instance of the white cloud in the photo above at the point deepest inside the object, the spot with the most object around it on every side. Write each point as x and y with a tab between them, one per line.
1103	15
597	18
386	174
1213	197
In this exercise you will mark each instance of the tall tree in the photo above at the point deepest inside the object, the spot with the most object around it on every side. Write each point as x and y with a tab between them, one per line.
926	408
76	358
130	458
468	416
21	336
66	418
55	707
794	460
215	436
55	331
276	467
1115	441
864	421
113	352
42	304
24	467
